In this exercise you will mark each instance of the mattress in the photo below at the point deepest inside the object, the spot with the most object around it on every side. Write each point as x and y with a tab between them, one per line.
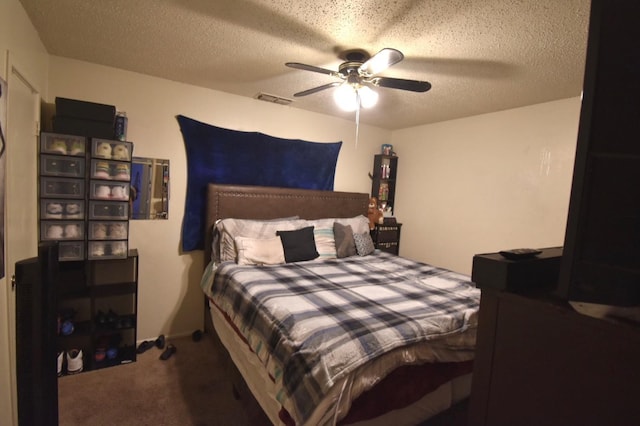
316	336
264	390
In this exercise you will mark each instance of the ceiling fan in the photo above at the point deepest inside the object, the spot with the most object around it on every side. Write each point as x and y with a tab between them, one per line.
359	71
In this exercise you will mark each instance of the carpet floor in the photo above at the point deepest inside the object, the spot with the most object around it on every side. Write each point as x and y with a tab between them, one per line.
192	387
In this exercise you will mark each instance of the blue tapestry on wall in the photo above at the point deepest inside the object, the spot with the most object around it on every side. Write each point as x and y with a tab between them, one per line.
217	155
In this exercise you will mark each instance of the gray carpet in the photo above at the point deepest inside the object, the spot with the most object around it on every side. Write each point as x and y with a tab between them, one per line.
192	387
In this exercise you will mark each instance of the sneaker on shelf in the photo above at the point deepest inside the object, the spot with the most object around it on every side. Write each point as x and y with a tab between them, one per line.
112	353
112	318
101	318
74	361
67	328
100	354
60	359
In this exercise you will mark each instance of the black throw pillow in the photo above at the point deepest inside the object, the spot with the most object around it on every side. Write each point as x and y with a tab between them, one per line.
298	245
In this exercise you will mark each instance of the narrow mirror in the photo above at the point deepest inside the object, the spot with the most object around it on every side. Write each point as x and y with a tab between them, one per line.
149	188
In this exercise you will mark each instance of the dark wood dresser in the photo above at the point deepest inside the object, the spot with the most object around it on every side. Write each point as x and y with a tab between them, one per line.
539	362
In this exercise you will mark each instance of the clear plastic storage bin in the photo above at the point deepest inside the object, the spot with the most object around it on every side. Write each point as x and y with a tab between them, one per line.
71	250
114	230
55	143
61	230
105	210
110	170
61	209
51	187
111	150
107	250
57	165
106	190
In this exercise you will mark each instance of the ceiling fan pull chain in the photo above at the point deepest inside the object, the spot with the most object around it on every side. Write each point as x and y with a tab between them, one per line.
357	117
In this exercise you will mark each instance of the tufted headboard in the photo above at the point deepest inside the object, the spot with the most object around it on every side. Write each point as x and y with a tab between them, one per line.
264	202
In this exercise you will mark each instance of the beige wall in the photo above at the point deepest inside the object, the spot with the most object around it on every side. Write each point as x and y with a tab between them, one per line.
170	299
486	183
20	47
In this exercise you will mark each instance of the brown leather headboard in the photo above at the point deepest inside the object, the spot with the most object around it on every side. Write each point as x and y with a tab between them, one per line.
264	202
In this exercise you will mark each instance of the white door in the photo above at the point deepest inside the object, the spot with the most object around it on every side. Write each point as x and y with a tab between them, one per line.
21	227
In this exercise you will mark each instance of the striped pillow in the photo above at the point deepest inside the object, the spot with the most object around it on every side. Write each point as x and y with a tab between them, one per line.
325	243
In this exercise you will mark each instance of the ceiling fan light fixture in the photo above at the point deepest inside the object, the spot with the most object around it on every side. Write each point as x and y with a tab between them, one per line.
346	97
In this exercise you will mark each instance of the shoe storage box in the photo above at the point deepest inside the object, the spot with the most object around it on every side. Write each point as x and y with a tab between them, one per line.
105	190
51	187
62	144
110	170
61	209
111	150
55	165
78	126
107	250
84	118
103	230
108	210
61	230
71	250
85	184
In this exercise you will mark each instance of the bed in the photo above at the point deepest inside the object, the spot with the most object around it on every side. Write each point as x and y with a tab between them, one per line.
345	337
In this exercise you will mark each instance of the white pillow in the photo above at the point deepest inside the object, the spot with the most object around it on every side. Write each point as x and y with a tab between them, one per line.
229	229
359	224
325	243
259	251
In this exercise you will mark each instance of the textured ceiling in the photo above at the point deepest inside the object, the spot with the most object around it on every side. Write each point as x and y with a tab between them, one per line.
479	55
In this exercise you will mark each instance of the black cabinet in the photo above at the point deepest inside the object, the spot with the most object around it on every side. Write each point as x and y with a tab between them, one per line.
387	237
97	312
538	362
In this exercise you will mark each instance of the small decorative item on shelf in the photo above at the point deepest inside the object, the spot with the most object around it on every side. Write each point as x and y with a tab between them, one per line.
374	213
121	126
387	149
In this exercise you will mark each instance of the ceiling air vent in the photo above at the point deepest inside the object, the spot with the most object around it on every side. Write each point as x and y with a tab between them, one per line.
273	99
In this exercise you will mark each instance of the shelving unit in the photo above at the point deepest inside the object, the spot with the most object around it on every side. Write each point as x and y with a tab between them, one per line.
386	236
383	185
109	188
62	192
84	195
101	296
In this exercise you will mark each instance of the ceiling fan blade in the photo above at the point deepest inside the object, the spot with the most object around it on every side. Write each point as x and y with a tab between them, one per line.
306	67
400	83
381	61
317	89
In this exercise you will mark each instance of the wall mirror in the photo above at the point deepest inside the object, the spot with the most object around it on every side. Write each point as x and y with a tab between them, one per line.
149	188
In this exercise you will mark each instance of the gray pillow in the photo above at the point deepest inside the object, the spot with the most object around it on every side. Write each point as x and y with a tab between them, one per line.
345	245
364	243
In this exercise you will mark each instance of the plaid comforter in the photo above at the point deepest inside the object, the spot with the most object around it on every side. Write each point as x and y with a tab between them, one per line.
311	323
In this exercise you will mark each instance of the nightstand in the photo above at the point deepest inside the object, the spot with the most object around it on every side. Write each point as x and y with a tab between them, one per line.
387	237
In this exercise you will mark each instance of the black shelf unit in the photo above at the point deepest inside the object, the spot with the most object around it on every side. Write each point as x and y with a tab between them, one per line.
386	236
383	185
93	289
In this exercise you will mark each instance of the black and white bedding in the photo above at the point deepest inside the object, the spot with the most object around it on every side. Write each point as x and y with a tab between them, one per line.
313	322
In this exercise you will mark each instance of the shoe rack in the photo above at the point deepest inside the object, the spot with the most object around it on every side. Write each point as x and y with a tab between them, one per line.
84	185
84	195
97	313
109	186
